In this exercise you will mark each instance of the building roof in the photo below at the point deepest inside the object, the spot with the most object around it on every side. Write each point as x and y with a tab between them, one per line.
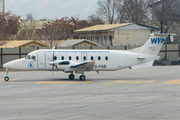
20	43
70	43
102	27
108	27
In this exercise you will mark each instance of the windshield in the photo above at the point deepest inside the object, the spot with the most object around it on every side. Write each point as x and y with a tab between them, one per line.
27	57
30	57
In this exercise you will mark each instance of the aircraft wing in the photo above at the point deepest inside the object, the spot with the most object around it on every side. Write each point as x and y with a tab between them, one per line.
86	66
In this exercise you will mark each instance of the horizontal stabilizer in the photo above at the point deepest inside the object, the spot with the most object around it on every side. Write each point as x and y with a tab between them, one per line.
141	58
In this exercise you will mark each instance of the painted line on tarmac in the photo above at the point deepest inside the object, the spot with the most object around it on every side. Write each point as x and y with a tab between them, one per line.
87	101
63	82
120	81
170	82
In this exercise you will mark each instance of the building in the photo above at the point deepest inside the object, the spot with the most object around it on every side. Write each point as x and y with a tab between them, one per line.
22	43
2	6
117	34
77	43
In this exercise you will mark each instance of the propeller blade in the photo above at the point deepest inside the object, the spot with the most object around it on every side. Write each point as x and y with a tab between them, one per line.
53	61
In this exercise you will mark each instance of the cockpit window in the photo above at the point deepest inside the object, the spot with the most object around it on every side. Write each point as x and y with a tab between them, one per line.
30	57
33	57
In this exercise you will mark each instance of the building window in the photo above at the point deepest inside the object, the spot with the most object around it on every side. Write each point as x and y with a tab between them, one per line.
88	38
101	40
105	40
98	39
91	38
110	39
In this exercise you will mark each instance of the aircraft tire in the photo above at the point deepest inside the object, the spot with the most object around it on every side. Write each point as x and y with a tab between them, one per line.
6	78
71	77
82	77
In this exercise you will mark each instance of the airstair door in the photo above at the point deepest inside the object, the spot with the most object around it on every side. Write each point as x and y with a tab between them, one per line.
41	60
84	56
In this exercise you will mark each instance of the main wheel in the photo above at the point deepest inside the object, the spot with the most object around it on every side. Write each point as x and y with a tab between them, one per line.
82	77
71	77
6	78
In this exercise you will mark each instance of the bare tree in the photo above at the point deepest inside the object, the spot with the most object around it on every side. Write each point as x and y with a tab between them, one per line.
165	13
62	29
94	19
108	10
136	11
9	25
27	31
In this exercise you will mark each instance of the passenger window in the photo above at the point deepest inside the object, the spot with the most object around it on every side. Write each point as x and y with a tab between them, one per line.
99	58
70	57
84	57
92	58
106	58
28	57
62	58
55	57
77	58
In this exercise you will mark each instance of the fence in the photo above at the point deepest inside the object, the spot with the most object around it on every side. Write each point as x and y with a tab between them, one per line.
169	52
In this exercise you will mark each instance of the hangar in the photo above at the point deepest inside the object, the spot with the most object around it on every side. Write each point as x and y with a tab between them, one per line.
117	34
22	43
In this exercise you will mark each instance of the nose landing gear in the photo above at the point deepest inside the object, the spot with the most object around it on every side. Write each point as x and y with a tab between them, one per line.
6	78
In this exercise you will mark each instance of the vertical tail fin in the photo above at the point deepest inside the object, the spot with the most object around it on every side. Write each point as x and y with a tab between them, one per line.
155	42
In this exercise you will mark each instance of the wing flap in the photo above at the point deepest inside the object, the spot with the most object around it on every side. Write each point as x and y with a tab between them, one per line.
84	66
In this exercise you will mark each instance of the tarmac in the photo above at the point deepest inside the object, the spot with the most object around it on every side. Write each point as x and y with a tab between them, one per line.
143	94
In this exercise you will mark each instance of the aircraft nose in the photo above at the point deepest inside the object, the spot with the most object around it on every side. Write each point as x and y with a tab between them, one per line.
6	65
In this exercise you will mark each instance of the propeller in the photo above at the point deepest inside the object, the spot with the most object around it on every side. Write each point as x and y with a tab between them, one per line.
53	58
53	61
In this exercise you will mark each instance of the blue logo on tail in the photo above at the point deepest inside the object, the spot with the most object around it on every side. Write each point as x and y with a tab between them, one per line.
157	40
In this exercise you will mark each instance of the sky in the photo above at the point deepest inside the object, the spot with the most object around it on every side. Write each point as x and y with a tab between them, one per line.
52	9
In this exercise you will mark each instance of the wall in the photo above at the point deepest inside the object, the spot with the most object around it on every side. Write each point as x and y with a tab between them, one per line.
170	52
131	37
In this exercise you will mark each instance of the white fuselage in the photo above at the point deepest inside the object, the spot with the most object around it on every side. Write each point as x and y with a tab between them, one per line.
105	60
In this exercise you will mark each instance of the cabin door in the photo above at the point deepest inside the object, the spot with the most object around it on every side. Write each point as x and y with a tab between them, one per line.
41	60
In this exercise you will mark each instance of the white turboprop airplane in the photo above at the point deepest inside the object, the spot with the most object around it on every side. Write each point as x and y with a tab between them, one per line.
80	61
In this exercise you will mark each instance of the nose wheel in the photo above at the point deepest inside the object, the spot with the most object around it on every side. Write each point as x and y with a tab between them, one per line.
6	78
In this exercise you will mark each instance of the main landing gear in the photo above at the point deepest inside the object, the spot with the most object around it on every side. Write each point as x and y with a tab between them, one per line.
6	78
72	76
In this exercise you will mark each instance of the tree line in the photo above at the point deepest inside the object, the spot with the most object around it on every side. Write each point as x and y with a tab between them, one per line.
165	17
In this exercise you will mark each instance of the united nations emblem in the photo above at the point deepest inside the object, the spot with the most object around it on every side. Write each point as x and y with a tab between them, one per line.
31	64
